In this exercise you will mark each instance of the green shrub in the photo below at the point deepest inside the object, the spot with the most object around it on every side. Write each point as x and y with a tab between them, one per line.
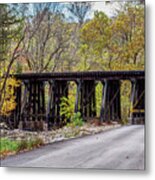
8	145
67	107
76	120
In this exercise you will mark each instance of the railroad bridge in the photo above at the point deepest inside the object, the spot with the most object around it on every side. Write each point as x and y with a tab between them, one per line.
30	96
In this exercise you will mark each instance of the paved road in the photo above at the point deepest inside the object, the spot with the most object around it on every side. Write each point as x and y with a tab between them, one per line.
121	148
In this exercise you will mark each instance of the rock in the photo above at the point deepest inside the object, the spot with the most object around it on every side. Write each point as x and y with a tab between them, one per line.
58	135
3	125
114	122
20	126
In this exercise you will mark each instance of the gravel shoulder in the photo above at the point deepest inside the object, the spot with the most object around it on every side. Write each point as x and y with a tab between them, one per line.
56	135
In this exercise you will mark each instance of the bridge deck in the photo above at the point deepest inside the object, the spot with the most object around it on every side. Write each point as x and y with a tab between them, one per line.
93	75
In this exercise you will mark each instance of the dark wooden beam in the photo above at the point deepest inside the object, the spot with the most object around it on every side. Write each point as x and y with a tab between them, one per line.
110	107
137	109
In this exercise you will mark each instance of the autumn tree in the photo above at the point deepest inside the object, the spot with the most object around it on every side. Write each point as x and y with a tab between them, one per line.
78	14
11	37
46	38
95	37
116	43
128	31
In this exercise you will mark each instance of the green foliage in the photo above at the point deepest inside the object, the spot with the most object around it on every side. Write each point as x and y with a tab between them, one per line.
7	97
29	144
11	26
125	100
98	98
7	145
19	68
115	44
67	107
76	120
96	32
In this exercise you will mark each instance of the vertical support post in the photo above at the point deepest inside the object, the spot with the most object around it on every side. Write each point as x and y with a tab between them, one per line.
34	101
15	116
85	98
58	89
137	113
23	103
41	110
42	91
78	95
110	107
33	106
49	104
38	100
93	101
29	103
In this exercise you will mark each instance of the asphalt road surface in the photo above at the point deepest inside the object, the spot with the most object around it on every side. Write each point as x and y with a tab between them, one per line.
121	148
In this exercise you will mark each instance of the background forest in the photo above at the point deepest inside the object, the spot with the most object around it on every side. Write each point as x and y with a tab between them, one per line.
60	37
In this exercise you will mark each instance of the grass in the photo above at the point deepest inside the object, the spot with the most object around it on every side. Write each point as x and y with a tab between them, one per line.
8	146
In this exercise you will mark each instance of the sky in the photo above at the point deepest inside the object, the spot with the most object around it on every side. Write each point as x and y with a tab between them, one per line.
108	9
100	6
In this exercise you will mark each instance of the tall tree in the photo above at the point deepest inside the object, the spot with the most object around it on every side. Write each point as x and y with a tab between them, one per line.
117	43
11	37
46	38
95	37
78	13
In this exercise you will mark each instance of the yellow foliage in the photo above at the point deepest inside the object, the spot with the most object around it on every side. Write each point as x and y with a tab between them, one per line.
8	95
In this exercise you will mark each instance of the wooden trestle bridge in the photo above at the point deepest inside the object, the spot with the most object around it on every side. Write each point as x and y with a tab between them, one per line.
32	108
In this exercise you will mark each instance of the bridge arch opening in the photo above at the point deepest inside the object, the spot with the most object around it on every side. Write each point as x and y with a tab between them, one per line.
67	104
125	91
99	89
